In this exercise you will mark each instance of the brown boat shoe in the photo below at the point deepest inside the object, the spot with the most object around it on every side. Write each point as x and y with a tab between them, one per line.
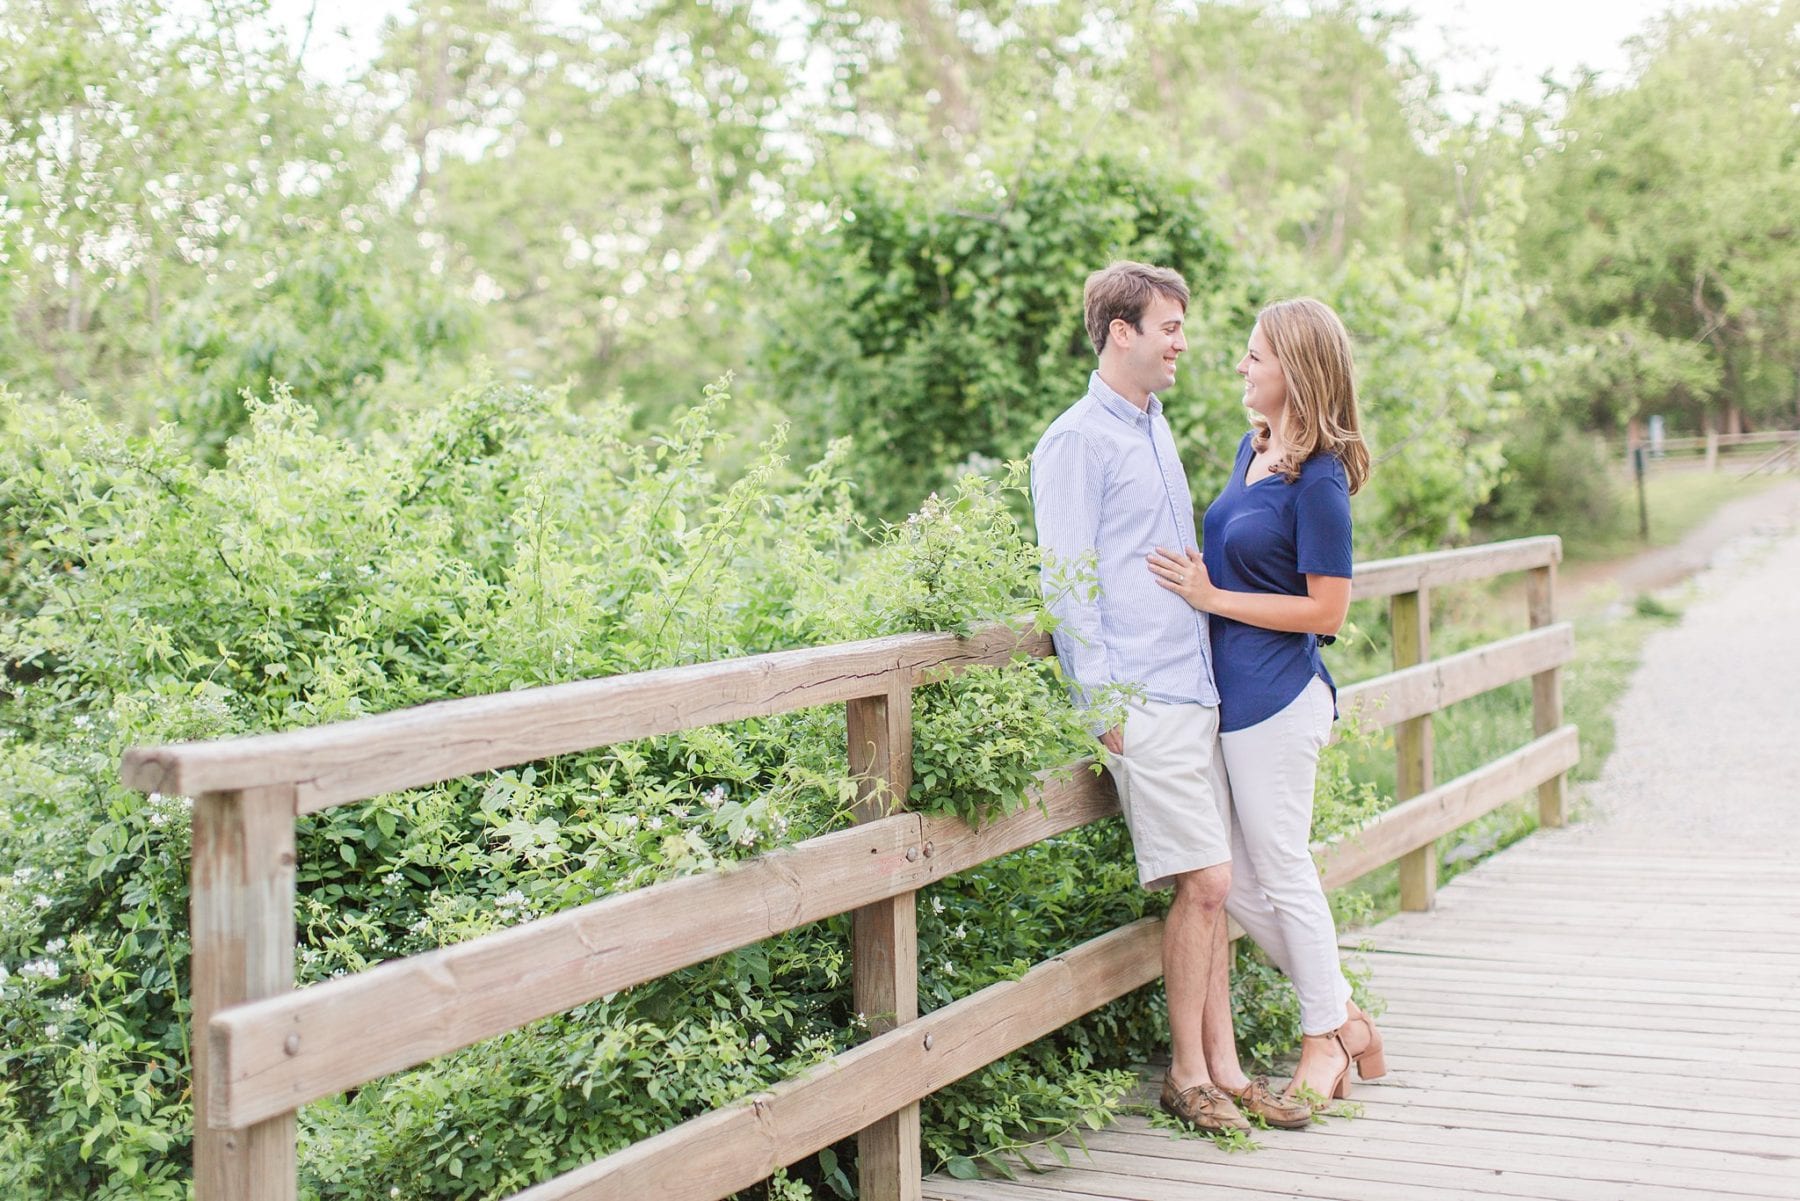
1258	1100
1205	1107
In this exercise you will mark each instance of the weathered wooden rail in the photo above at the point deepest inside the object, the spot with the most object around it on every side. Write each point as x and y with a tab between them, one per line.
1765	447
262	1049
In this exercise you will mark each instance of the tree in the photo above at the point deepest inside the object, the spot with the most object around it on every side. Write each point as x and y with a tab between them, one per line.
943	333
1663	223
1313	125
598	179
179	204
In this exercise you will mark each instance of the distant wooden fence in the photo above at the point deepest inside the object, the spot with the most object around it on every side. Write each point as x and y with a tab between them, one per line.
262	1049
1760	450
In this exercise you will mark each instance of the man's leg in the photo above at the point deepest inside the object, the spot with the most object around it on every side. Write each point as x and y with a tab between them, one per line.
1217	1033
1176	818
1192	938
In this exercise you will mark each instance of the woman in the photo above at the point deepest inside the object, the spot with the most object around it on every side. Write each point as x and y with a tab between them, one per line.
1275	576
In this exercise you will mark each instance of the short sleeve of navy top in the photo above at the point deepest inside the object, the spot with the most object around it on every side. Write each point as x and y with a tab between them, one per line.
1268	537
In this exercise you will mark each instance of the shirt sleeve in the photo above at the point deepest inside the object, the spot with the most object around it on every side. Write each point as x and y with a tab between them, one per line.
1322	522
1067	486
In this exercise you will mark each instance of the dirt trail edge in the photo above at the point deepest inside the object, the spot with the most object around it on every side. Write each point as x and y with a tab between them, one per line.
1770	510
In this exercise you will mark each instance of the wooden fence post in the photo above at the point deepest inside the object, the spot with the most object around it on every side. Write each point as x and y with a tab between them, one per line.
1410	617
1712	450
1546	688
241	912
885	938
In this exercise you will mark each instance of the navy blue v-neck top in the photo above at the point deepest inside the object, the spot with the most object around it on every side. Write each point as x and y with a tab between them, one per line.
1268	537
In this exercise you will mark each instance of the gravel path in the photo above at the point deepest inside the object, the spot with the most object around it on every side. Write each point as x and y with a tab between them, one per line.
1773	507
1707	756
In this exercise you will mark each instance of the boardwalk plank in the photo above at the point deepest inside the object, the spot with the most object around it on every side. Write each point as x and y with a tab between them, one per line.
1281	1171
1570	1159
1569	1023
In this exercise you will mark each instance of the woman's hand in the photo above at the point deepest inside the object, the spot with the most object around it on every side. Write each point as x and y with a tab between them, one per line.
1183	572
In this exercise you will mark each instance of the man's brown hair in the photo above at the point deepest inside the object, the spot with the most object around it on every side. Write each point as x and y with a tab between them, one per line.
1120	291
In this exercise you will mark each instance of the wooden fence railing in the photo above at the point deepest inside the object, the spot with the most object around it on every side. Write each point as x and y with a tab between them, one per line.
262	1048
1762	447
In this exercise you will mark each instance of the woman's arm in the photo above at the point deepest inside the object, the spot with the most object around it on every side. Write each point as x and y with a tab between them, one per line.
1320	611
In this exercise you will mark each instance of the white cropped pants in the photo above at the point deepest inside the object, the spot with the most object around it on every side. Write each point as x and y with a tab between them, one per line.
1275	891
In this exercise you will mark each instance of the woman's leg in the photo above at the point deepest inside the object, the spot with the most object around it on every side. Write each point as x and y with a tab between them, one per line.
1249	905
1273	766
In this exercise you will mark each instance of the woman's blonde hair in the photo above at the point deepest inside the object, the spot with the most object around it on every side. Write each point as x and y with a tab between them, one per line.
1313	350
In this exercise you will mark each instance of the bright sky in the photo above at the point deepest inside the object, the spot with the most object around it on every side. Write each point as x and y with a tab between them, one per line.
1516	41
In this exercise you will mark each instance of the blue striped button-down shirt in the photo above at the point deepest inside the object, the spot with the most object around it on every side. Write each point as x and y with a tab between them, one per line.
1106	484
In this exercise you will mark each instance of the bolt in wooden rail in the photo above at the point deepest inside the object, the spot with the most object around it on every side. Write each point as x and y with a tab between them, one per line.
262	1049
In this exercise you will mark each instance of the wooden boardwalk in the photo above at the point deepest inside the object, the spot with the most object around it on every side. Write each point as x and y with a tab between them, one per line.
1575	1021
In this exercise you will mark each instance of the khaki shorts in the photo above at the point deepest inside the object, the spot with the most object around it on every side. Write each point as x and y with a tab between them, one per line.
1172	790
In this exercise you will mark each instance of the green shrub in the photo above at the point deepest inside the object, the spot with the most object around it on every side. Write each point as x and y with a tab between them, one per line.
1557	479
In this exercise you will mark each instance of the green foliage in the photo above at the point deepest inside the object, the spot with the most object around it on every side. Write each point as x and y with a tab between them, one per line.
944	334
1322	147
182	216
496	541
641	201
1020	730
1556	479
333	322
1663	221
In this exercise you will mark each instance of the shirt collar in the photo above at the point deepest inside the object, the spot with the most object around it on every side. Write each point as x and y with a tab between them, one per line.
1118	406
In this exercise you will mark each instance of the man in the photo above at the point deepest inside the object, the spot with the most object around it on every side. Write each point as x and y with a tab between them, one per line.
1108	489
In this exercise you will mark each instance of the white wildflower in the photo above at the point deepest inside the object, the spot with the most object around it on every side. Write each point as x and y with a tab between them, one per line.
655	823
961	931
83	721
55	946
937	904
51	1031
45	969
